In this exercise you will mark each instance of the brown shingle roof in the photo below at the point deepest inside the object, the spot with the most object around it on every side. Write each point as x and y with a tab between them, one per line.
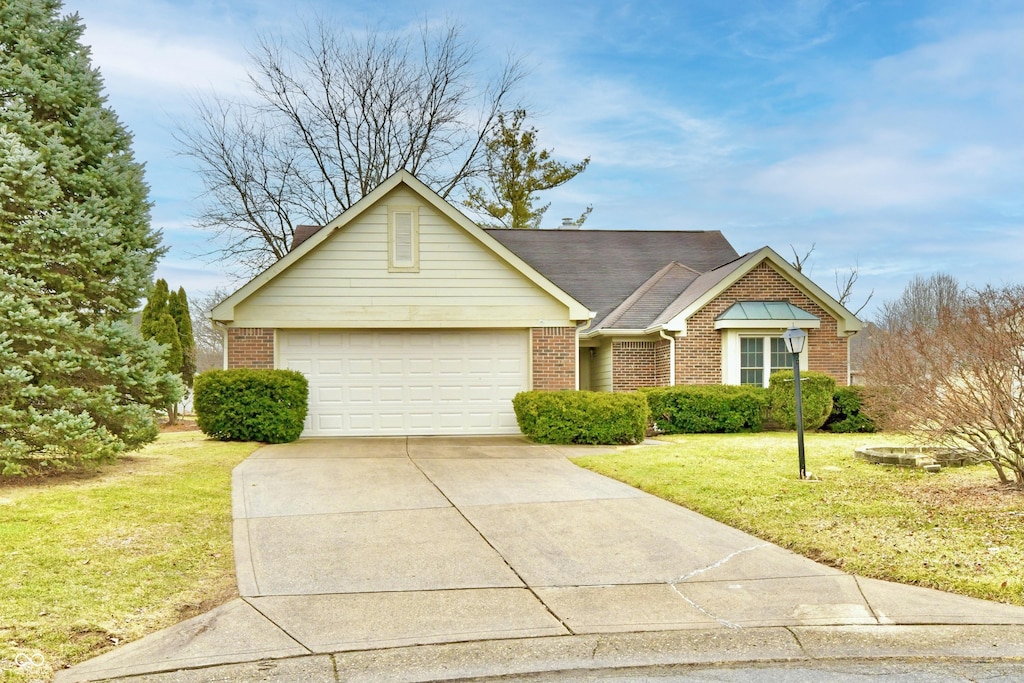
303	233
603	268
700	286
644	305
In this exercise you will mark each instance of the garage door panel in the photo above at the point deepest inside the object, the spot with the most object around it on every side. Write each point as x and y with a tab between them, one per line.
452	367
303	366
359	366
421	366
421	394
329	367
329	395
390	395
360	395
390	367
409	382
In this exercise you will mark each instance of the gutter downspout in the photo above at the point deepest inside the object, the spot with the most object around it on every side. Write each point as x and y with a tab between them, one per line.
672	356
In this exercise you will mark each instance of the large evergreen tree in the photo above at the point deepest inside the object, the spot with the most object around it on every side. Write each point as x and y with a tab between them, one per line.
76	254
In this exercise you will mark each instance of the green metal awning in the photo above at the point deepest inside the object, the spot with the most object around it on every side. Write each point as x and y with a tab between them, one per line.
765	314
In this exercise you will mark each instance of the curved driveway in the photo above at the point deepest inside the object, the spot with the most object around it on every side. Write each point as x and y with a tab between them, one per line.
353	545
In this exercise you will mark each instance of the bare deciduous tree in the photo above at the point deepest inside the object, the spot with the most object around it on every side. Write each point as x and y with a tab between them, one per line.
209	341
844	281
925	301
950	369
844	287
800	261
330	118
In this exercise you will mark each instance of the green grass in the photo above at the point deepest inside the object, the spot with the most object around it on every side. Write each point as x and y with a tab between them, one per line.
92	559
958	530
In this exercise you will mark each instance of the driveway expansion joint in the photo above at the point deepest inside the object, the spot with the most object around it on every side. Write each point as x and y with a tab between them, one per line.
334	613
278	626
486	540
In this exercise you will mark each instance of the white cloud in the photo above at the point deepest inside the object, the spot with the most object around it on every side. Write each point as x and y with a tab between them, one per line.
875	176
130	59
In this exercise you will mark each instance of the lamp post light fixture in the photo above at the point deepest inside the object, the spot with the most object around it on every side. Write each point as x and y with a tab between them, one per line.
795	338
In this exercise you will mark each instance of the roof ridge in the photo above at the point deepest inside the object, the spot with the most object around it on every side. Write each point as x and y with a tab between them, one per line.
728	267
640	291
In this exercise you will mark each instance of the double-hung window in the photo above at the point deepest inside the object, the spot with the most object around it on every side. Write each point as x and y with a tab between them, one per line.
760	357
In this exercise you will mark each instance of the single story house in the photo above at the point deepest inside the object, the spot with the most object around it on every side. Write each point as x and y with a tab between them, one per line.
408	318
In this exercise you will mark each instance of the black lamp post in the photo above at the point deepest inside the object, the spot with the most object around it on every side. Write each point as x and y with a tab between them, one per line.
795	338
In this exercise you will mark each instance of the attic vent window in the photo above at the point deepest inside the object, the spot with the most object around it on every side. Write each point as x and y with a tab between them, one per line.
403	241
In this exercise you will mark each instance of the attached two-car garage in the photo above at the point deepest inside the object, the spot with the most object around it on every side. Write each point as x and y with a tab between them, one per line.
377	382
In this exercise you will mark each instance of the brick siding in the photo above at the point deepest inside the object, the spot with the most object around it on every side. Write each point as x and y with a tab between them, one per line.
662	363
699	353
634	365
251	347
554	358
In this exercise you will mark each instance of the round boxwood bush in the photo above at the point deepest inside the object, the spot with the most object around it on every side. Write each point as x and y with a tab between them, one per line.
706	409
251	405
847	412
816	389
583	417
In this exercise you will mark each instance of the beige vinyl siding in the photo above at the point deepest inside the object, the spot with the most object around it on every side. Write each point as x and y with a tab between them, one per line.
584	369
601	368
345	282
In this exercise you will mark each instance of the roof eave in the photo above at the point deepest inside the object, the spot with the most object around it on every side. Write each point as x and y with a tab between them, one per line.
225	311
846	322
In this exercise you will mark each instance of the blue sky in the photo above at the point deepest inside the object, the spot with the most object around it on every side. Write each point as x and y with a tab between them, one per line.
888	133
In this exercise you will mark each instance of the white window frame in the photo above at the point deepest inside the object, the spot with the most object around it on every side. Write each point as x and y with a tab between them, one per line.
731	370
400	235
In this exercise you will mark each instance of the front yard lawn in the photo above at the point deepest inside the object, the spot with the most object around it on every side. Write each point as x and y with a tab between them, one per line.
957	530
91	559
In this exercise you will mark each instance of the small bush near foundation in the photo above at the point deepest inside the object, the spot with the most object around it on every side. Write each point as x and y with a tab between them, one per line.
846	415
707	409
251	405
816	389
583	417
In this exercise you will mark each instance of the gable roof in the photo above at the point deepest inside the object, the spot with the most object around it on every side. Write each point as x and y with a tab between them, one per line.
620	280
644	305
712	283
603	268
312	236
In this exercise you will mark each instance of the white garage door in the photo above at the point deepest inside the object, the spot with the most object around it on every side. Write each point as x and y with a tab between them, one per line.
408	382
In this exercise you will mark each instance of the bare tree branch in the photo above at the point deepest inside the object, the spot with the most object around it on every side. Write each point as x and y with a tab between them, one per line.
948	366
844	287
800	261
332	115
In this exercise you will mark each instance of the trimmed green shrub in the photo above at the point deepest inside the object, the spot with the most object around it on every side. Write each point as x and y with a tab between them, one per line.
584	417
707	409
251	405
847	416
816	389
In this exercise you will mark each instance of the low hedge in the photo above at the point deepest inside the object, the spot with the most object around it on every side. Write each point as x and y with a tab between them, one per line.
847	416
816	390
251	405
707	409
581	417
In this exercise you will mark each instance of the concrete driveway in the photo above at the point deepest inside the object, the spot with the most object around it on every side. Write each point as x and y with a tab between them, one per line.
503	548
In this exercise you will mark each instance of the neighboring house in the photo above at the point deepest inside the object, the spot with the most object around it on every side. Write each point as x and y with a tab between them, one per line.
408	318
